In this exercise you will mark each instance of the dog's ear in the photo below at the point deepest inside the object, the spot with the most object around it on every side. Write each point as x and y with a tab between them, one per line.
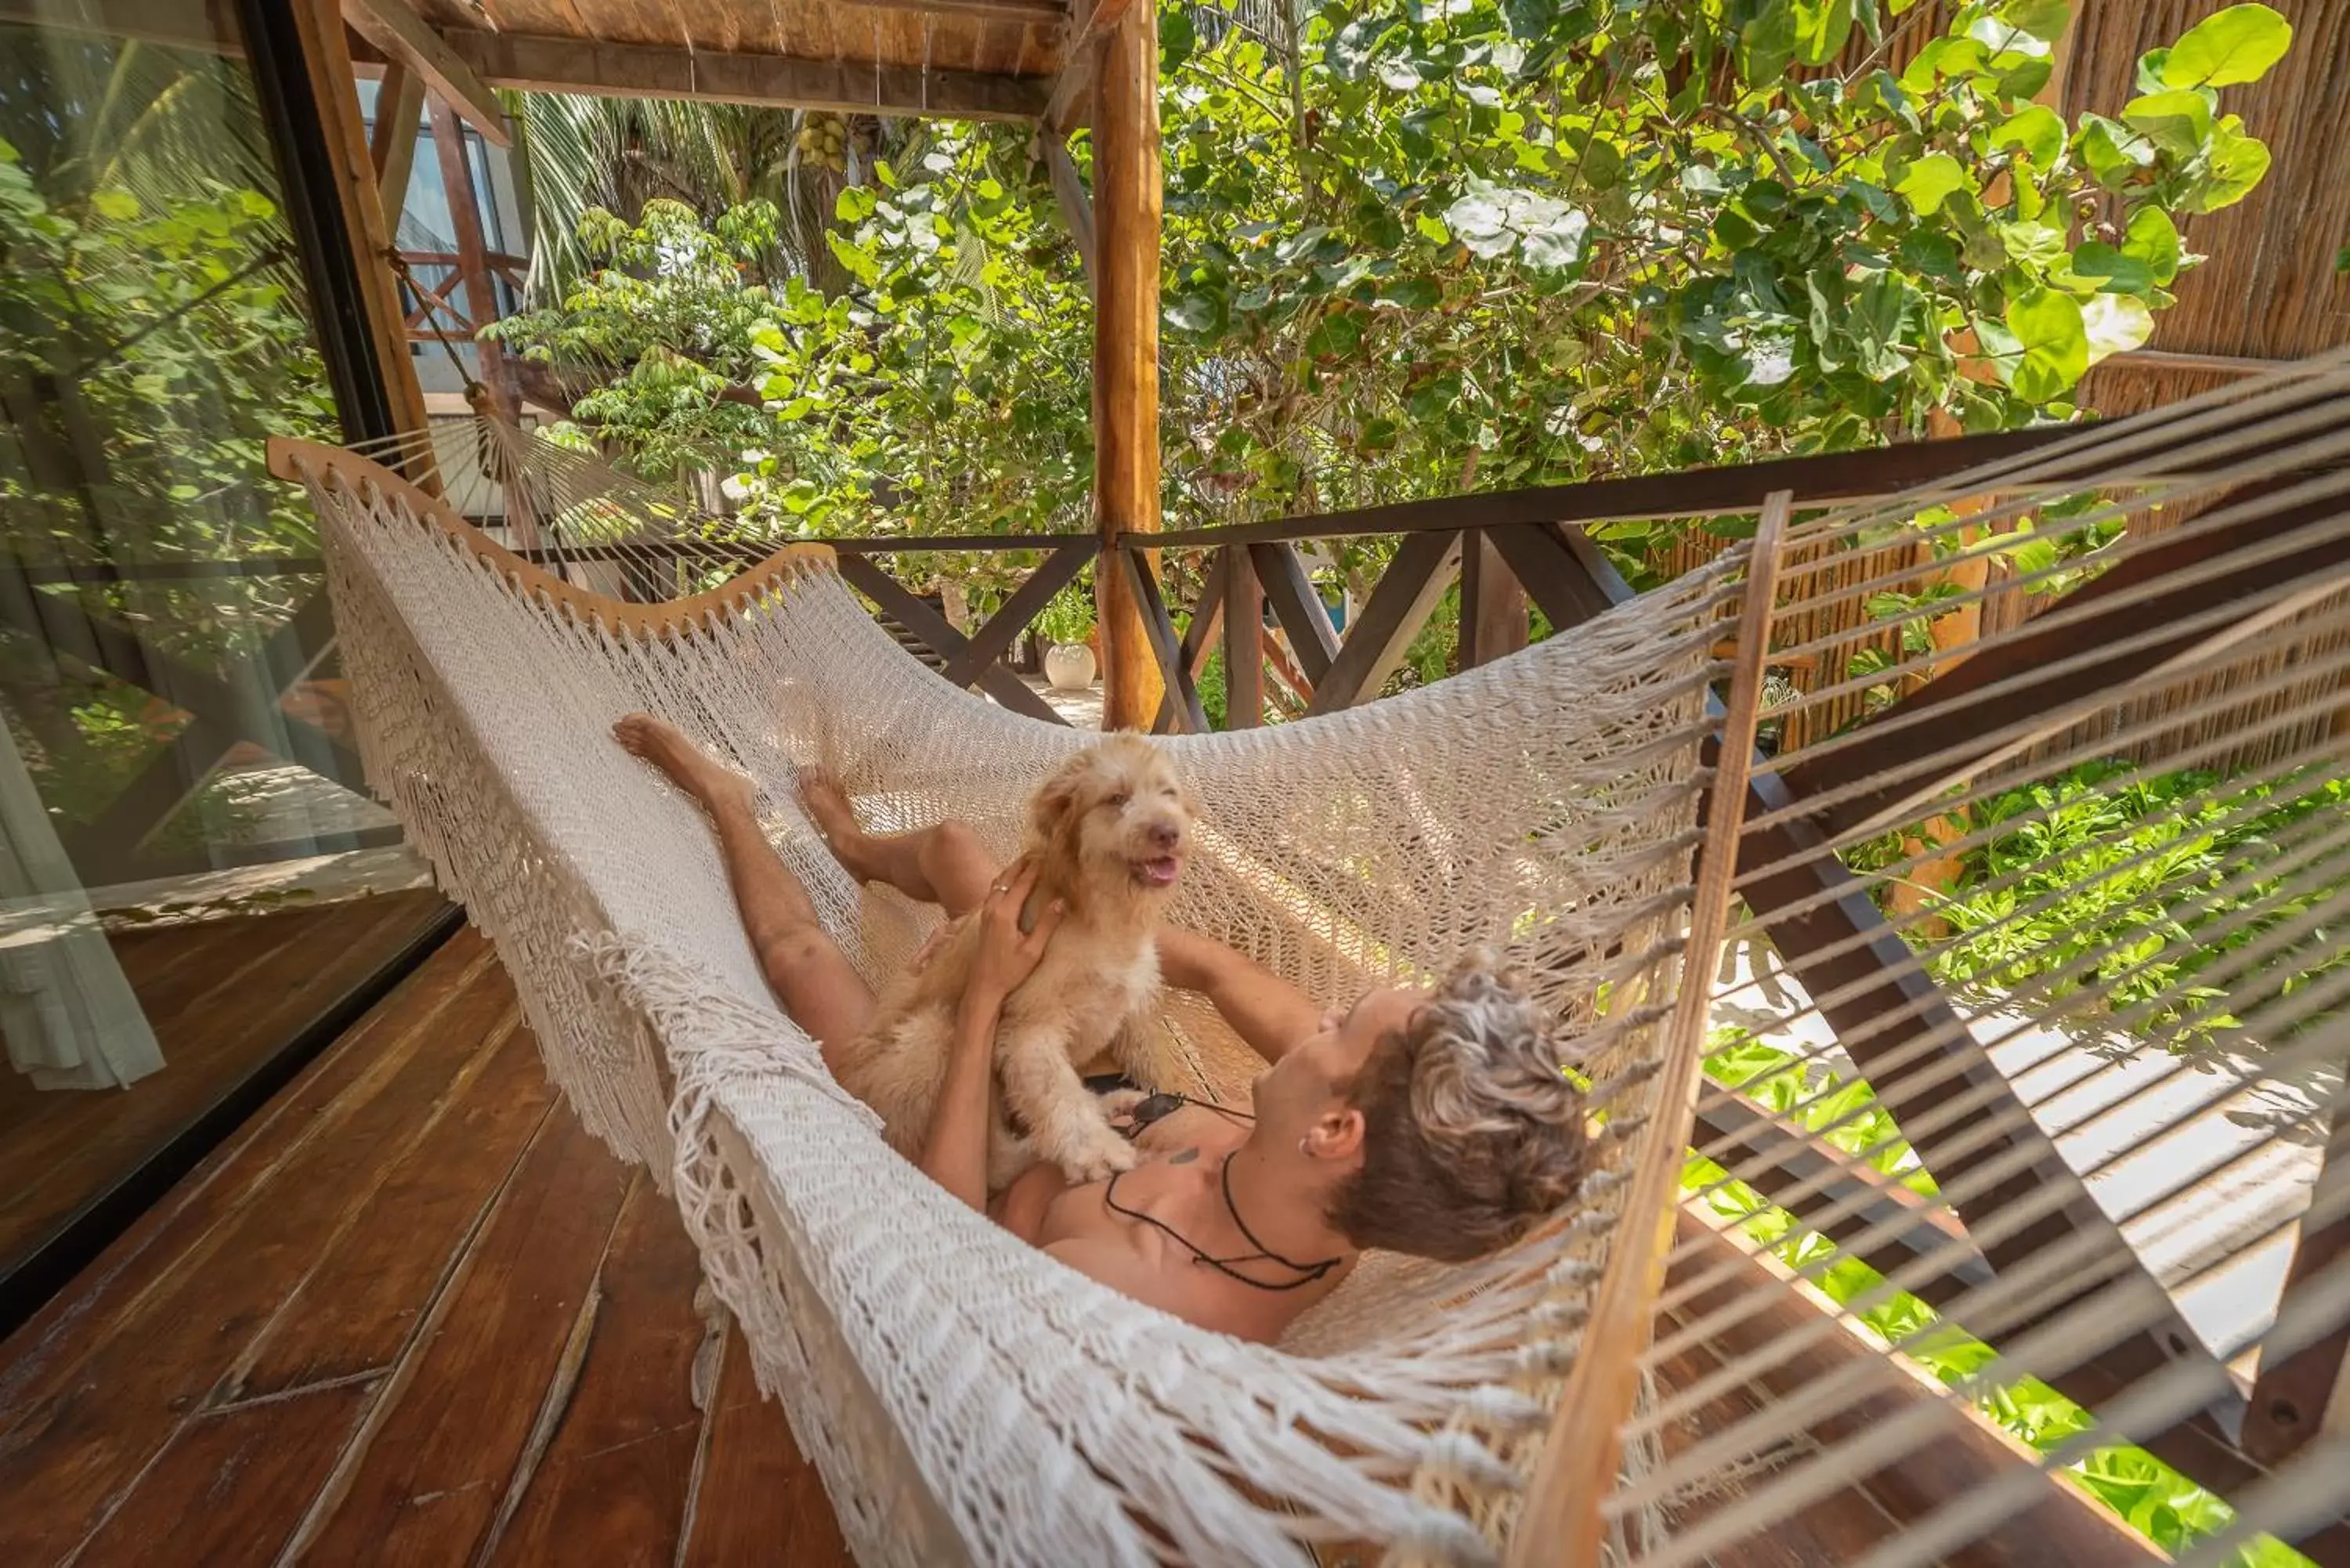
1056	804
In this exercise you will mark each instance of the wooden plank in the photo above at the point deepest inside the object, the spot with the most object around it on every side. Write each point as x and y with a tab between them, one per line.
1069	196
992	641
399	107
1280	573
615	1483
1181	703
1861	475
1730	1127
527	64
406	38
422	1482
230	1487
1127	196
325	52
2064	1526
1381	632
368	1287
106	1381
465	204
2305	1392
1207	614
942	638
758	1502
1538	557
1494	621
1243	658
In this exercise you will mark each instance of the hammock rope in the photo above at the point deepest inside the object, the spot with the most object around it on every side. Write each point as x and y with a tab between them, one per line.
1007	1411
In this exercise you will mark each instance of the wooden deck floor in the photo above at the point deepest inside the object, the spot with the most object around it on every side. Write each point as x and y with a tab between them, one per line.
222	996
411	1313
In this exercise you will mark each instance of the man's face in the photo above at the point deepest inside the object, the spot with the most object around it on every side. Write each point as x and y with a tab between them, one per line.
1304	1093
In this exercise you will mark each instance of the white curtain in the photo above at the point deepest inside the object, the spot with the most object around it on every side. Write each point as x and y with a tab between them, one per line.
69	1016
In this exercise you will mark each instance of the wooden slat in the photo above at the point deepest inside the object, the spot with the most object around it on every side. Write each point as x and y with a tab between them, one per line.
1493	622
1181	696
2062	1527
1381	632
940	636
1282	574
368	1288
423	1483
96	1386
759	1501
1692	492
403	36
2304	1393
1243	659
1207	615
529	64
616	1480
230	1487
1538	557
992	641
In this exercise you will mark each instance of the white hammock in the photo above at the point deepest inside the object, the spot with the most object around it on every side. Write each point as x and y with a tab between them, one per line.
965	1398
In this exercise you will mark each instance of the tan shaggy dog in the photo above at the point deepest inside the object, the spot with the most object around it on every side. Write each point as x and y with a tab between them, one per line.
1108	833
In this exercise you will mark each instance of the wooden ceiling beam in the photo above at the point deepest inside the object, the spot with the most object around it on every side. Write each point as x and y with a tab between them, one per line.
405	37
783	82
1079	61
1032	13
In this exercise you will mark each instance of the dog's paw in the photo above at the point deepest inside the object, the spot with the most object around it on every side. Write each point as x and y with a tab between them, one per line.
1097	1159
1118	1107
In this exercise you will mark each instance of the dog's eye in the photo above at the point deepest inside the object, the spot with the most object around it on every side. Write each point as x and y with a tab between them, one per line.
1115	801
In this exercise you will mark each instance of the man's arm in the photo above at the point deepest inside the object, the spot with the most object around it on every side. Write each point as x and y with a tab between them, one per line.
1264	1009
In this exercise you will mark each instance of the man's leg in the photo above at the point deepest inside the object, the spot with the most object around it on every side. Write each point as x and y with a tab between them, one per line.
811	977
945	865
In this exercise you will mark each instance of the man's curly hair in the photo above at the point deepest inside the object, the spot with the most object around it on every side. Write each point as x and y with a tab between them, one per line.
1471	1132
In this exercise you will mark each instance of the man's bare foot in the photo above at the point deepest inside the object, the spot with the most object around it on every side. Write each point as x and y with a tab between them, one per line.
827	807
702	776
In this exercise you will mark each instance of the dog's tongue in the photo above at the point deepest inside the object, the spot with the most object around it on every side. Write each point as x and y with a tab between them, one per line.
1161	872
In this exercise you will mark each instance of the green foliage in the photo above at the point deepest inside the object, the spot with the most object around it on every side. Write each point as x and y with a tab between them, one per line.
2146	879
2154	1500
1068	615
1419	249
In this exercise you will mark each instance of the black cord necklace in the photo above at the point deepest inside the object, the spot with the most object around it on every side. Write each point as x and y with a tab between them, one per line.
1307	1272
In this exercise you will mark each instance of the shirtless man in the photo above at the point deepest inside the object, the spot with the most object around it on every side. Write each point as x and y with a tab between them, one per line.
1434	1123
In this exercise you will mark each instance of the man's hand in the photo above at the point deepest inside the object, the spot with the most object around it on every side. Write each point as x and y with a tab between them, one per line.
1006	955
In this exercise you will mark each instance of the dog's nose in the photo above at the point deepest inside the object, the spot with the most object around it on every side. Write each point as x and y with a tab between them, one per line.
1165	835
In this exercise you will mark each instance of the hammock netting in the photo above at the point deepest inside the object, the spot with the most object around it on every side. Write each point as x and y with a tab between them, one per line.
967	1399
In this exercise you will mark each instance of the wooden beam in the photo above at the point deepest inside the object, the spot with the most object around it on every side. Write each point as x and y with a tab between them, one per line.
408	40
1244	658
1539	560
1280	573
1069	195
1026	12
529	64
1494	621
2158	361
1126	353
1867	474
398	105
1200	636
994	639
941	637
1081	62
1379	637
464	203
2307	1393
325	51
1182	701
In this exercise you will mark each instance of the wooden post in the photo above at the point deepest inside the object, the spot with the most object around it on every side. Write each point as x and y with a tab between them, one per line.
473	259
1126	352
1493	604
397	105
1244	650
326	51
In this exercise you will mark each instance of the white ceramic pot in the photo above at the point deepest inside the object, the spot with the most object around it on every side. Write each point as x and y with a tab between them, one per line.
1069	666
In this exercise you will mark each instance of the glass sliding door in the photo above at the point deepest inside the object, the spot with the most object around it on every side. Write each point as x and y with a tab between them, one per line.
190	875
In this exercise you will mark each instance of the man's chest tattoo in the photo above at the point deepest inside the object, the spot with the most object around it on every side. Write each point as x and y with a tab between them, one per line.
1184	1157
